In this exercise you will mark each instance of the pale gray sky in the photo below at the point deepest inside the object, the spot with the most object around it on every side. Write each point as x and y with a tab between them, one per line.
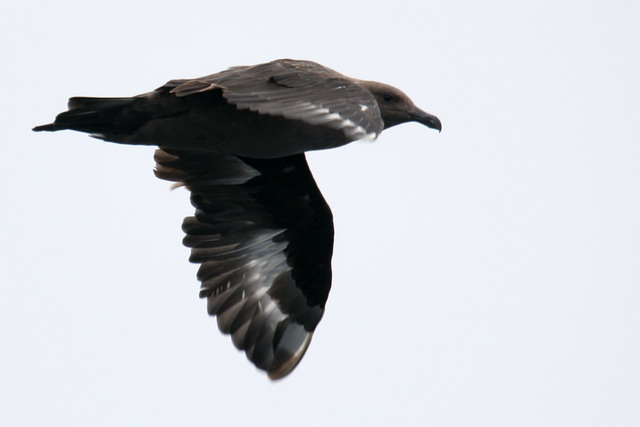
486	276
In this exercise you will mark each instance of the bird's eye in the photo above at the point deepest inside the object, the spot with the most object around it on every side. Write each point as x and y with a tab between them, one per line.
388	97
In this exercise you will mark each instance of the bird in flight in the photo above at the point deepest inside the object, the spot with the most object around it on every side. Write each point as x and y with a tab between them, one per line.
262	232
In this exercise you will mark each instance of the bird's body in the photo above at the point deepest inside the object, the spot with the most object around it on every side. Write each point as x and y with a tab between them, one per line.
262	231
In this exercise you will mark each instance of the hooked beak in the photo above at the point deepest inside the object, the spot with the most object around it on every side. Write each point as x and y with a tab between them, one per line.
426	119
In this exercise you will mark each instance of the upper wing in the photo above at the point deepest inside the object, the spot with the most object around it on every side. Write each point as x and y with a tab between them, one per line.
299	90
263	235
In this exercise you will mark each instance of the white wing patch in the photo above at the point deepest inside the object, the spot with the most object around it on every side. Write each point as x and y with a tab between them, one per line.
314	114
369	137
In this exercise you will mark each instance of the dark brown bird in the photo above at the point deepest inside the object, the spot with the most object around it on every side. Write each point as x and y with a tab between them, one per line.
262	232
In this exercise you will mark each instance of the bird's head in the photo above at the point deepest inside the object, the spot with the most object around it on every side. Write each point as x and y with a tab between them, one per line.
397	108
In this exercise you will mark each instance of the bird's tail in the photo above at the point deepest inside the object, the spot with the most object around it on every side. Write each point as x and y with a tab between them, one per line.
97	116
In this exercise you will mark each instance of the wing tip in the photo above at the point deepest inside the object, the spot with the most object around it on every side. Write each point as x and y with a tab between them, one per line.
284	361
51	127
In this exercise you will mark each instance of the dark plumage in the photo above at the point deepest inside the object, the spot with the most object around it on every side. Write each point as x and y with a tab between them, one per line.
262	232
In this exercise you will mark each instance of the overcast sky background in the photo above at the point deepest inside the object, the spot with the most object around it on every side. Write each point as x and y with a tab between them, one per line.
485	276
